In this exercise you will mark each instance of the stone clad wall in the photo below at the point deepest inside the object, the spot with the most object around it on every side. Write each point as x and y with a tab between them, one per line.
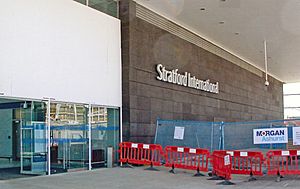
242	94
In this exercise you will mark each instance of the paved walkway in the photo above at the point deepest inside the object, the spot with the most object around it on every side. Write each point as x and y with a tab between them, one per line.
121	178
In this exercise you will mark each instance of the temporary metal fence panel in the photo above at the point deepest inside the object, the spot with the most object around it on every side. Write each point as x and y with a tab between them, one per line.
239	136
192	134
221	135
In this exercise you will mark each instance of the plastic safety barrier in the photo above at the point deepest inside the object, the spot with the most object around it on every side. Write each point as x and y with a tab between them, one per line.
140	154
221	163
224	162
283	162
187	158
247	163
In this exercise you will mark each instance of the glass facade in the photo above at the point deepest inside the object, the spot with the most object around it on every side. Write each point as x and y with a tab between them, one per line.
109	7
70	135
72	129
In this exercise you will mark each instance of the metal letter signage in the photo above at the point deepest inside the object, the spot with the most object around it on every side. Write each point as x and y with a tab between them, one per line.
186	79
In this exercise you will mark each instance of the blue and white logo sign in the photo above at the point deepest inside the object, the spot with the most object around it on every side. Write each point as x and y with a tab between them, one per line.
270	136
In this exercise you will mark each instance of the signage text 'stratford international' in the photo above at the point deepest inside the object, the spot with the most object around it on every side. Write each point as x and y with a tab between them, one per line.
186	79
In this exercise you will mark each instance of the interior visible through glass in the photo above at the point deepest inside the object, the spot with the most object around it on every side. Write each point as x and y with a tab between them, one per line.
105	133
69	137
24	139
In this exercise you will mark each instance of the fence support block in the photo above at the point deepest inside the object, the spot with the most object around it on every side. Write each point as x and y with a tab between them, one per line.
226	182
172	170
198	174
279	176
215	177
151	168
252	178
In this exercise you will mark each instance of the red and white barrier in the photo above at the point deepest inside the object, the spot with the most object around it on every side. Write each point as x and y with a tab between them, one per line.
187	158
140	154
283	162
221	162
224	163
246	162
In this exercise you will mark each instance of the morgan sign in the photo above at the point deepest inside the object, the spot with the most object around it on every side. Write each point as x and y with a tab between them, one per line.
270	136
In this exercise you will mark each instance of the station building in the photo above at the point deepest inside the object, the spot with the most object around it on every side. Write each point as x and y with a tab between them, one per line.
78	77
218	85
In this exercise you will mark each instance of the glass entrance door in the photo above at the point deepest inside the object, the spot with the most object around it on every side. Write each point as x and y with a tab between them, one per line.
69	137
33	138
105	133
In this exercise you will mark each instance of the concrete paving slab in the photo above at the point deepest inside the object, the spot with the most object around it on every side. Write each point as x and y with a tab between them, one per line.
126	178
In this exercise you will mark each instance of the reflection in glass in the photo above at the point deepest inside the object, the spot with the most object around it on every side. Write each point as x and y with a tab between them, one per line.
81	1
24	125
99	137
105	133
69	139
33	137
109	7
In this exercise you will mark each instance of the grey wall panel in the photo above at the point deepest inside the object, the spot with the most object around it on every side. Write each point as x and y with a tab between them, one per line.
242	97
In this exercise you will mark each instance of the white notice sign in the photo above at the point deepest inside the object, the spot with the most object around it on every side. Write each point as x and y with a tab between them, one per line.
296	135
179	133
226	160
